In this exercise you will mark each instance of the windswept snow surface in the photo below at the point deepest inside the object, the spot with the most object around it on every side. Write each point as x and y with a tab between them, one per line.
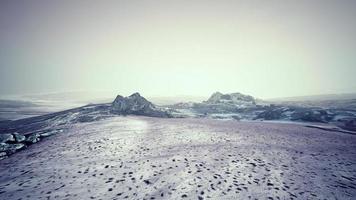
154	158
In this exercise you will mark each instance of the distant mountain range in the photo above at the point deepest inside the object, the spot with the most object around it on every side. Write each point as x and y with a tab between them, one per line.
236	106
341	113
17	134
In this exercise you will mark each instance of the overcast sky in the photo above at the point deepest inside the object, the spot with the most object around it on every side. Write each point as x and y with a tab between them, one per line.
263	48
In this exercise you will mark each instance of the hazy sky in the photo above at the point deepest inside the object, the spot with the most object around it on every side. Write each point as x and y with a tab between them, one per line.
263	48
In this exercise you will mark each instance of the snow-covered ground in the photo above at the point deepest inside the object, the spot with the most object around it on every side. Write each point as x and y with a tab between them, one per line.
155	158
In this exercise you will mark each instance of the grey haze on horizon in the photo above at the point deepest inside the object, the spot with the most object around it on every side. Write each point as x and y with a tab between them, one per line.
267	49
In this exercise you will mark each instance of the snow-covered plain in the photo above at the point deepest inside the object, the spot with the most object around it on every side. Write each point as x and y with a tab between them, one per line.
155	158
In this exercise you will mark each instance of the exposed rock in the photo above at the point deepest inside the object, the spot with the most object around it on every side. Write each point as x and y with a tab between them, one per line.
19	137
271	113
50	132
234	104
17	146
3	155
4	147
89	118
10	148
132	104
6	138
311	115
233	98
137	105
183	105
33	138
215	97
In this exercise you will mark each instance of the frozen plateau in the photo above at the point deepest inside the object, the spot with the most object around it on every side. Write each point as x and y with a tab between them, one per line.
231	146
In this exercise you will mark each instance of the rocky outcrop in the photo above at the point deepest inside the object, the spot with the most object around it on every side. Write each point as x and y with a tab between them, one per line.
13	142
220	103
245	107
214	98
293	113
233	98
33	138
137	105
18	137
10	148
6	138
271	113
49	133
40	127
10	143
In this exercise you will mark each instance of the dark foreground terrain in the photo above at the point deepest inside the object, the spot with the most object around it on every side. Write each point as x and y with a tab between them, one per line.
162	158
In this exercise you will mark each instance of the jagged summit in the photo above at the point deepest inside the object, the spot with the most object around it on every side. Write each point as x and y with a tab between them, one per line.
215	97
234	98
136	95
137	105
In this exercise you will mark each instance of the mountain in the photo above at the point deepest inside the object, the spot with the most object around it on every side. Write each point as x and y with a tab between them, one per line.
245	107
32	130
219	106
233	98
137	105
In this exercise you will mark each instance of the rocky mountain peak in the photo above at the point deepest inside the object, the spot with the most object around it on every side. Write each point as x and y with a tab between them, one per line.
234	98
215	97
135	95
135	104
